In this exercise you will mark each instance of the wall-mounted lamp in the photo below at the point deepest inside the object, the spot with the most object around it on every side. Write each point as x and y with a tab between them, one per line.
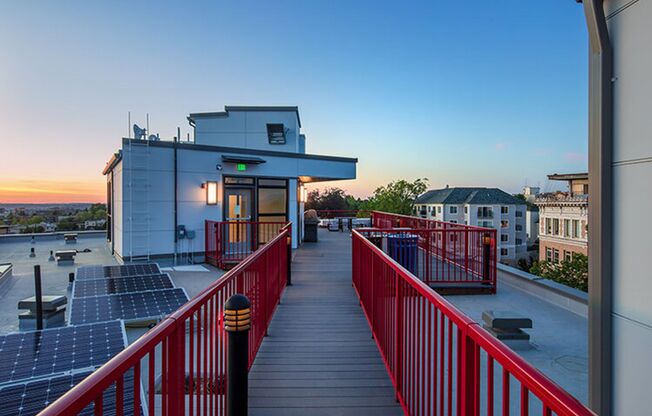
211	192
303	193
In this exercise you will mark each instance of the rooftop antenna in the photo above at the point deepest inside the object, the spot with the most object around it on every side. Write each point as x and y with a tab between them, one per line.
147	127
129	124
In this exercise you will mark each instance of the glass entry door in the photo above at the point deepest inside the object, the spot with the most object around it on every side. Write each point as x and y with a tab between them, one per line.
238	212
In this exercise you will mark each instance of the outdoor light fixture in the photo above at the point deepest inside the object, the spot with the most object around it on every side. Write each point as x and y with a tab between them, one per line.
486	239
211	193
303	193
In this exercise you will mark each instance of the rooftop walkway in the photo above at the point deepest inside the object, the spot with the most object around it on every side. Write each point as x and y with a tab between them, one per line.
319	357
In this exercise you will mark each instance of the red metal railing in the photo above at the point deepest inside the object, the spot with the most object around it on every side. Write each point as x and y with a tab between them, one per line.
342	213
229	242
442	257
182	360
440	361
388	220
449	254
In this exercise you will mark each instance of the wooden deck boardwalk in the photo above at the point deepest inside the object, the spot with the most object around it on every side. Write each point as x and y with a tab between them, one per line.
319	357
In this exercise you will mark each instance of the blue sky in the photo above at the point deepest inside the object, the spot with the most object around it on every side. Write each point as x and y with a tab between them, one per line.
463	93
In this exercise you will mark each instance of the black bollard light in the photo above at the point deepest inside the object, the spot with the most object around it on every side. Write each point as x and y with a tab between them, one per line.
237	321
38	296
486	256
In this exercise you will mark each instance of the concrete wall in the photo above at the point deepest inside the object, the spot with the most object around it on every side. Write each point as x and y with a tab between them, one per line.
630	31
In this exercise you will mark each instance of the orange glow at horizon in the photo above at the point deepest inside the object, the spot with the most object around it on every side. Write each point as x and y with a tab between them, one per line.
34	191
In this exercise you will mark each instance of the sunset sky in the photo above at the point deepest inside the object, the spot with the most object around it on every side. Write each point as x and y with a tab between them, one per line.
493	94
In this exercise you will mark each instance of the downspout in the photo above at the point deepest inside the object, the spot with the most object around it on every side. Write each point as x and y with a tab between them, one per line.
176	231
600	209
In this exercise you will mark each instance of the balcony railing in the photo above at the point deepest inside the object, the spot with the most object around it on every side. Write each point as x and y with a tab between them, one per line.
449	255
439	360
227	243
188	348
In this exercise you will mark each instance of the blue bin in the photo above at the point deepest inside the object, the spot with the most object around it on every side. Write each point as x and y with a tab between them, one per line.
403	248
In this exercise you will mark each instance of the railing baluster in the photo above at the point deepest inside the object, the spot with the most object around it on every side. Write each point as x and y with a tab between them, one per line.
119	396
98	407
137	392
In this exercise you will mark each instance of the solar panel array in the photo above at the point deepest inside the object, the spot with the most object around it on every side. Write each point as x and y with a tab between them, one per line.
37	367
99	287
133	292
102	272
139	306
30	397
26	355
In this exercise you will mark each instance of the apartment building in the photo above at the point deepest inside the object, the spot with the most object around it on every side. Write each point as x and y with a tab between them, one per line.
563	219
482	207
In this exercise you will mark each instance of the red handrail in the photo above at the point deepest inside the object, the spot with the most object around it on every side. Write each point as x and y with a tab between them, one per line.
439	360
195	385
459	249
388	220
229	242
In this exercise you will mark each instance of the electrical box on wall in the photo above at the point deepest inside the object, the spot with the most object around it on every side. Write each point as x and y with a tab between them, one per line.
181	232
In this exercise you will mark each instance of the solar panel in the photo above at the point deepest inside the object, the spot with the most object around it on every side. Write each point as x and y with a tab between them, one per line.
130	284
141	306
27	355
29	398
100	272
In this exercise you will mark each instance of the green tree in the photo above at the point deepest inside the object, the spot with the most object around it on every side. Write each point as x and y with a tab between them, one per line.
573	272
329	199
396	197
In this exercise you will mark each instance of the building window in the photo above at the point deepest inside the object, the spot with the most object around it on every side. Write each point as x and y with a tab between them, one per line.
555	256
548	226
548	254
518	214
504	224
567	228
504	210
576	228
439	210
452	210
504	252
568	255
485	212
429	208
555	226
519	227
276	133
453	221
466	210
519	241
485	224
504	238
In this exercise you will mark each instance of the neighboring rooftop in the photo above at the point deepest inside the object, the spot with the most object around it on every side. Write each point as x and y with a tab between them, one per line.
474	196
568	176
15	249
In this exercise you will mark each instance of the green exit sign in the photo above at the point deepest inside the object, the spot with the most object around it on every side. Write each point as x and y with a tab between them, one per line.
242	166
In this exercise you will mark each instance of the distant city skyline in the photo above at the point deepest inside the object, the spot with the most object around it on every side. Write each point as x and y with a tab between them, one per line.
491	95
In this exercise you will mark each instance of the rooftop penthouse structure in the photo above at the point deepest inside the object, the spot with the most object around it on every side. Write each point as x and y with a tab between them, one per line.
244	164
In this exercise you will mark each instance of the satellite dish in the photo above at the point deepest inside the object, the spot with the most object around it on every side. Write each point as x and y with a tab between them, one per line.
154	138
139	133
